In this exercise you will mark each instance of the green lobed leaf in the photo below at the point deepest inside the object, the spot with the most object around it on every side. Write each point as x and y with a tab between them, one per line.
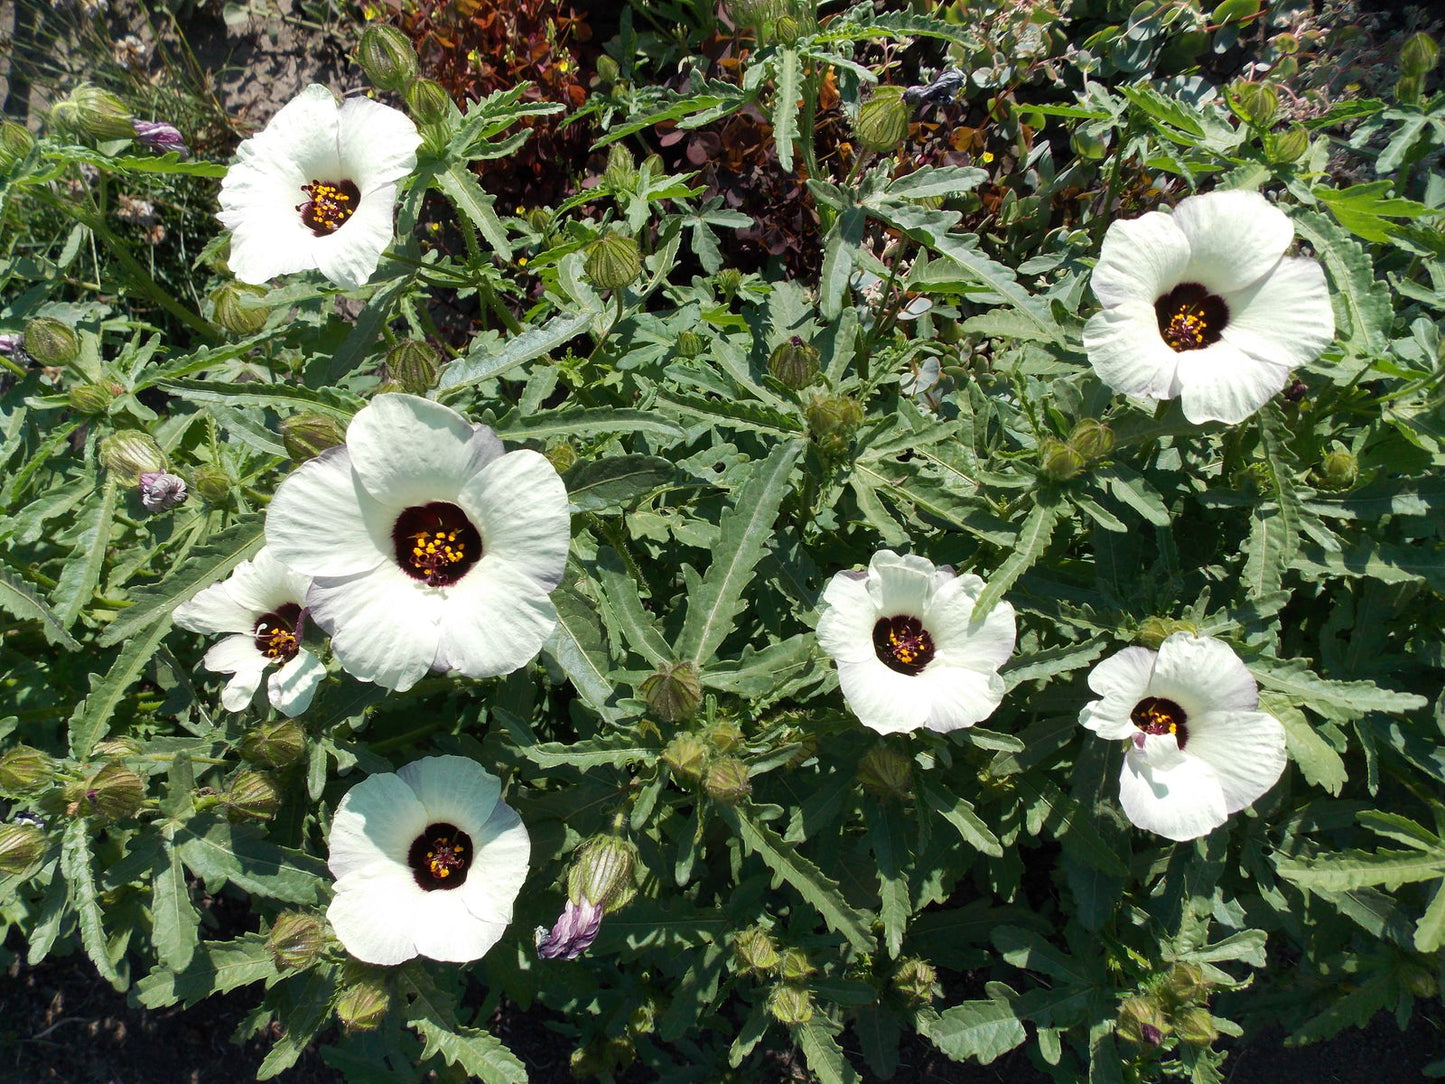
466	195
89	721
18	599
579	646
824	1056
614	747
216	967
982	1030
76	866
1317	759
888	840
217	851
174	919
960	813
478	1053
617	482
288	397
1331	698
303	1004
785	107
1033	539
1357	869
82	571
483	362
1360	296
582	421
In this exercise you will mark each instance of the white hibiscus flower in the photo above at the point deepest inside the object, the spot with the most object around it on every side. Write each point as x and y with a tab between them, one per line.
428	547
1203	305
908	650
261	606
428	861
316	188
1198	748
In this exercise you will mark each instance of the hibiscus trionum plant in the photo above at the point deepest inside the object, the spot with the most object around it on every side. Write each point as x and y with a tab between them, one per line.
1017	642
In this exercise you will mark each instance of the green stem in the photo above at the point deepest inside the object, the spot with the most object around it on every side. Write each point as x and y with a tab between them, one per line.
495	304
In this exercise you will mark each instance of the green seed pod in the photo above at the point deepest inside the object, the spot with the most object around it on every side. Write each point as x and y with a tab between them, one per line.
93	399
794	965
123	746
1418	56
130	453
230	313
363	1006
91	111
690	344
212	483
1196	1026
25	771
755	950
387	57
674	692
22	846
252	795
1339	470
275	745
601	872
1060	462
727	781
308	434
414	365
16	143
790	1004
113	792
882	122
1257	104
621	172
725	736
296	940
51	342
916	980
685	756
886	773
1141	1020
1092	439
1289	146
1186	984
794	363
613	261
1153	631
832	421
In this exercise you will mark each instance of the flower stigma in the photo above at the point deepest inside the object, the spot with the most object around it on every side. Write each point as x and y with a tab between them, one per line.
328	205
277	635
902	644
1158	715
436	543
440	857
1190	317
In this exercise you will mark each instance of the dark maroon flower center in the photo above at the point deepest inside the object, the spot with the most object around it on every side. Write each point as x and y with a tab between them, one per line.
903	644
436	543
1190	317
440	857
1157	715
328	205
275	633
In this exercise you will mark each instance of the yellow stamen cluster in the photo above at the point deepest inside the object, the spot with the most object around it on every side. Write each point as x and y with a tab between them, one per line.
277	643
1187	330
906	646
1157	720
433	550
328	207
441	860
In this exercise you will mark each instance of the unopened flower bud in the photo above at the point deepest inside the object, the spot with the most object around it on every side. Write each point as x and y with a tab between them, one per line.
601	872
1196	1026
252	794
1092	439
886	772
16	143
794	363
725	736
685	756
94	112
1186	983
162	137
51	342
414	365
129	454
794	965
308	434
295	940
573	932
1419	55
607	70
916	980
428	102
790	1004
673	692
93	399
690	344
24	771
786	30
621	172
1058	461
562	456
363	1006
1142	1021
275	745
728	282
212	483
230	311
113	792
1256	104
1088	145
727	780
1153	631
613	261
387	57
123	746
160	492
882	122
1339	470
755	949
1289	146
21	847
832	421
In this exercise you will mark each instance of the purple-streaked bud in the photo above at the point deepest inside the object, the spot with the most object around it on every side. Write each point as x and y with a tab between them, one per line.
162	137
575	930
160	492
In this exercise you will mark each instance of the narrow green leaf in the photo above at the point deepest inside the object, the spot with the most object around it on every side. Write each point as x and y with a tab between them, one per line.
478	1053
76	868
216	967
461	187
982	1030
959	812
1430	930
785	107
582	422
579	647
617	482
1335	699
1034	537
217	851
1361	297
825	1058
615	747
82	570
1317	759
484	362
936	181
839	252
624	607
1357	869
88	722
888	840
174	919
303	1004
282	397
18	599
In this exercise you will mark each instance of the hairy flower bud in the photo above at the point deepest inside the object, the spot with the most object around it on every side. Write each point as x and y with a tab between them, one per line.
786	30
22	846
755	950
308	434
882	122
1142	1021
25	770
621	172
113	792
674	692
690	344
212	483
562	456
794	965
832	421
93	399
1196	1026
162	137
685	756
51	342
1186	983
613	261
363	1006
728	282
429	102
727	780
1153	631
91	111
1088	145
1418	56
231	313
790	1004
295	940
1256	104
608	70
252	794
1339	470
275	745
725	736
794	363
387	57
1287	147
414	365
916	980
1092	439
601	872
1058	461
886	772
16	143
160	492
130	453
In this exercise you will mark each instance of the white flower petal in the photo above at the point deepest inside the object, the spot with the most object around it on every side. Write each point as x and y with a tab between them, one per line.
322	521
376	822
453	790
1125	675
215	610
1234	238
1140	260
899	584
845	627
1179	802
293	686
503	850
348	257
241	689
1245	750
959	696
1221	383
375	912
1128	354
379	143
235	654
960	641
444	929
1285	318
409	451
883	699
1200	673
520	506
495	621
263	584
385	627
